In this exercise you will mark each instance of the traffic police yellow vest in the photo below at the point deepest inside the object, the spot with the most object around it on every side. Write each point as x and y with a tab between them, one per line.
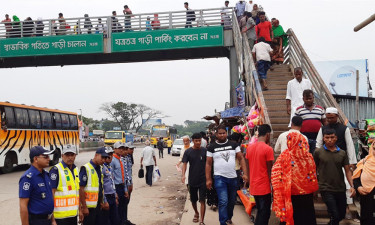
92	187
67	193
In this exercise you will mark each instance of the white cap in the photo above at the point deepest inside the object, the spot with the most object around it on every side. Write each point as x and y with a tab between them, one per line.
130	145
69	148
118	144
332	110
108	149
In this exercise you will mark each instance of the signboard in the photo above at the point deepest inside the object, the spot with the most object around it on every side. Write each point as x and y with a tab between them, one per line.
167	39
51	45
147	124
340	76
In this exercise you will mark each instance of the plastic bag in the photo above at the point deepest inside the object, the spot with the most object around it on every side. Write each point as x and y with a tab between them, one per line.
370	124
156	174
141	173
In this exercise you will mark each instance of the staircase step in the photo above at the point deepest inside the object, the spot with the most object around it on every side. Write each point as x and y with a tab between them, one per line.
277	82
278	76
276	134
275	102
275	97
276	108
275	92
280	127
278	113
325	221
279	120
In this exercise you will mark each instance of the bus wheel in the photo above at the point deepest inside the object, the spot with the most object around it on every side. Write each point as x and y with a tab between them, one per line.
56	157
8	163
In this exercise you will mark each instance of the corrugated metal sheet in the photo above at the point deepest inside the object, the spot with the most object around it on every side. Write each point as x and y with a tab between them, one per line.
366	108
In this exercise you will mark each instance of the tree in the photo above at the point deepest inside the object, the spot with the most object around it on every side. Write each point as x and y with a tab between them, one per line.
91	123
190	127
130	116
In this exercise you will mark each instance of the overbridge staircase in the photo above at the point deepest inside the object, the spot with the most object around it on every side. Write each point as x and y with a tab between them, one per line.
272	102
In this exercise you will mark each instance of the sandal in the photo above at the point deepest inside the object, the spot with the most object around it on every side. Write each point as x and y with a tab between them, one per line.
201	223
196	218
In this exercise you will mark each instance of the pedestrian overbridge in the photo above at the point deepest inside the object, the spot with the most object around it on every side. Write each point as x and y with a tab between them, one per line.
117	39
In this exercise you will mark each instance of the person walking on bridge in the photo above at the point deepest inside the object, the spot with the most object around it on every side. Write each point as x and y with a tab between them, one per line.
313	116
65	188
190	15
264	28
295	88
262	53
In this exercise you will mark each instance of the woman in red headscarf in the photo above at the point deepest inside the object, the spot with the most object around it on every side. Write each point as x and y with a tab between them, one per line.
364	183
294	181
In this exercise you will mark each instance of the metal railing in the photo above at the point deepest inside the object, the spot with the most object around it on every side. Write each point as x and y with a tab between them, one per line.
296	56
117	23
247	68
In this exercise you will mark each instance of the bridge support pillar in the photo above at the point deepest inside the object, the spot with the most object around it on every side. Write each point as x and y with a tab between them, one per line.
234	76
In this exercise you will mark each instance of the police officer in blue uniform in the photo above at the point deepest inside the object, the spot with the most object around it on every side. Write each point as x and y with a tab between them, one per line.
35	192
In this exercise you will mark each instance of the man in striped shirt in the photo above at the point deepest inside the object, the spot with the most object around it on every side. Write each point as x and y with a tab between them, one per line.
313	116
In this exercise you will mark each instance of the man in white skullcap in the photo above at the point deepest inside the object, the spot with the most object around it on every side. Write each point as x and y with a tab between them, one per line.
344	142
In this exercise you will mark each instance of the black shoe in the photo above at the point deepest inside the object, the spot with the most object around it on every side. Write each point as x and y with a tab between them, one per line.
129	223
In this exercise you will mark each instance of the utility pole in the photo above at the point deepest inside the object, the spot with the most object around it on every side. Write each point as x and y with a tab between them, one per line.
357	97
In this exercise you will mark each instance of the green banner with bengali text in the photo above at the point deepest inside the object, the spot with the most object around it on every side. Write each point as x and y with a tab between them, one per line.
167	39
51	45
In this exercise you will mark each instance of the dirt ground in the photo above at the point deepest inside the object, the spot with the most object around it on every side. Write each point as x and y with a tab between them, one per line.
163	203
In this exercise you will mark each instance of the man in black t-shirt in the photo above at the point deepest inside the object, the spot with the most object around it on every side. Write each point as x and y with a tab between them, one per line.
196	157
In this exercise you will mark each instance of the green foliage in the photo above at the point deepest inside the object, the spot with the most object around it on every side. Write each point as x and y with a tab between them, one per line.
191	127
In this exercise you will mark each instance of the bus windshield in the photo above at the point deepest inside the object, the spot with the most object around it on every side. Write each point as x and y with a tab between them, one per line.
113	135
159	133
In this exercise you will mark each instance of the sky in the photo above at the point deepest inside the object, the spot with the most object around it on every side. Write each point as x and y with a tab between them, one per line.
183	89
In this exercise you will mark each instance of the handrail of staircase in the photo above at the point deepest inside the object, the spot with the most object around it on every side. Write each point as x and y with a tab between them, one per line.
296	56
248	69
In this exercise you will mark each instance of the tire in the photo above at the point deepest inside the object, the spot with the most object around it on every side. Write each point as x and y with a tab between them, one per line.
8	165
56	157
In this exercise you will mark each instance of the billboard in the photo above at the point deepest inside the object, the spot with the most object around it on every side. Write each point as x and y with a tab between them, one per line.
340	76
147	124
197	37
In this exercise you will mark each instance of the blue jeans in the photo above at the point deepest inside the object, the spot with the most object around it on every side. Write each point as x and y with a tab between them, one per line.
263	203
263	67
226	191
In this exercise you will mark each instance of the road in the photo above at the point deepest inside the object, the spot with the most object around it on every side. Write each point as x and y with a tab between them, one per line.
161	204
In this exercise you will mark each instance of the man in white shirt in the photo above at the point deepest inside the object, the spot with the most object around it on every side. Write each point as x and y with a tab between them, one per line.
149	160
281	143
344	138
294	92
261	52
249	6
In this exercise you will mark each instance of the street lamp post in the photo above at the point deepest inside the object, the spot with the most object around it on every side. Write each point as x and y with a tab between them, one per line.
81	114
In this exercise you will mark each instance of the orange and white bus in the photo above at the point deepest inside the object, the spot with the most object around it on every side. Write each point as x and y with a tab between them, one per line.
23	127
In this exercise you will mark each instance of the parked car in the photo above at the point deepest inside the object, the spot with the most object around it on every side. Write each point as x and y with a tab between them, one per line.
177	146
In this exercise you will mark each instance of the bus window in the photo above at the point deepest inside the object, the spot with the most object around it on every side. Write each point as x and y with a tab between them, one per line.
22	119
34	119
46	120
10	121
73	122
57	118
65	121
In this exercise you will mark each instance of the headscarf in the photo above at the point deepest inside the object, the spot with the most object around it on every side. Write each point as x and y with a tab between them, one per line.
278	31
366	170
16	19
294	173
